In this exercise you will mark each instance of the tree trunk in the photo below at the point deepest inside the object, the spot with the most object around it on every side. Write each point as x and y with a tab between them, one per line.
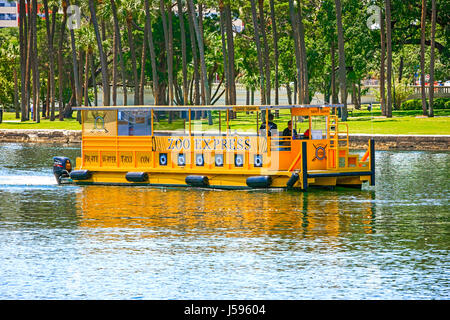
266	50
22	41
51	61
422	57
275	49
94	80
334	96
342	67
16	93
230	48
86	79
304	64
200	28
202	53
183	53
152	54
289	93
119	47
382	65
133	58
166	49
226	75
196	76
114	69
258	49
76	72
142	76
297	81
433	43
103	62
60	62
389	59
170	52
35	64
29	61
400	70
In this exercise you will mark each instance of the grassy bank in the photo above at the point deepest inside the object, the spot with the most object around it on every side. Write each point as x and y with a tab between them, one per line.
10	122
403	122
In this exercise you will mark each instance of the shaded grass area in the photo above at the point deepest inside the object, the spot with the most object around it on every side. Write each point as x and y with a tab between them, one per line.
403	122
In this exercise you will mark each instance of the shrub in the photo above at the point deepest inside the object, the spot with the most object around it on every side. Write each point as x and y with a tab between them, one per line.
413	104
442	103
416	104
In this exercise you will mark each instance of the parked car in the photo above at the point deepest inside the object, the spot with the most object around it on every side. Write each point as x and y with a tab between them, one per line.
447	83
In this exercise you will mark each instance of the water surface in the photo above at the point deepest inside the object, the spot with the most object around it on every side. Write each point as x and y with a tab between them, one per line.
390	241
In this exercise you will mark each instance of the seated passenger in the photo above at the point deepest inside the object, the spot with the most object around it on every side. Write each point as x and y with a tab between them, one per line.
272	126
288	132
306	134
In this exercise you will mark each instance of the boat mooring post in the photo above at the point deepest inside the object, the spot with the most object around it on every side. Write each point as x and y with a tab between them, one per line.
372	161
304	167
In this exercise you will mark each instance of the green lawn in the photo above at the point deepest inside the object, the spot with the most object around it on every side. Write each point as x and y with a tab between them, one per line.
400	125
403	122
10	122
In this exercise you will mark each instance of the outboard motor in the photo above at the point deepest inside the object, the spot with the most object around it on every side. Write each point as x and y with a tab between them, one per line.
61	168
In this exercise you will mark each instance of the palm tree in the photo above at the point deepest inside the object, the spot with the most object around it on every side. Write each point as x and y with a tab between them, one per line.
118	41
275	49
266	49
258	50
103	63
433	43
298	90
23	46
201	52
304	70
143	58
224	52
389	59
183	52
50	36
382	65
152	53
422	56
75	69
35	64
342	67
129	19
196	76
166	47
230	54
60	61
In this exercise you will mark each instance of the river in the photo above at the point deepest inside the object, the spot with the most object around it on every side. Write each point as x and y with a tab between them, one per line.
390	241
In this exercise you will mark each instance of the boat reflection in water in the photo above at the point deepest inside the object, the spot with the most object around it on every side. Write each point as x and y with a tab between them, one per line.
198	212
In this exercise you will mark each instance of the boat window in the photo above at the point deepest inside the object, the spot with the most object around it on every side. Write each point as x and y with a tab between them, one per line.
134	123
281	119
244	123
318	127
208	123
169	123
100	123
301	126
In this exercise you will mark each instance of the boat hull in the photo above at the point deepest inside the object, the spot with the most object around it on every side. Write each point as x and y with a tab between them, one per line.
228	181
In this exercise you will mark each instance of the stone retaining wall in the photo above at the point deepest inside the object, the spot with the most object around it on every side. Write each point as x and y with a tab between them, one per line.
360	141
40	136
401	142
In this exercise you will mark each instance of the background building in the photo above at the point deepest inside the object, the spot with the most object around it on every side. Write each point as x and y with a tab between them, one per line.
8	14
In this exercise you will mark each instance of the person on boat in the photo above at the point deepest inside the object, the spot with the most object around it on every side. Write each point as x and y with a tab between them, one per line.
272	125
288	132
306	134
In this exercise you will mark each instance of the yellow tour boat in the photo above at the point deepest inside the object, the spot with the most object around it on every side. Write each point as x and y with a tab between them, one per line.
226	147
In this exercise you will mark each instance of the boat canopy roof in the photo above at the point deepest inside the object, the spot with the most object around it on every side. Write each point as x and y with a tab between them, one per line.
218	107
